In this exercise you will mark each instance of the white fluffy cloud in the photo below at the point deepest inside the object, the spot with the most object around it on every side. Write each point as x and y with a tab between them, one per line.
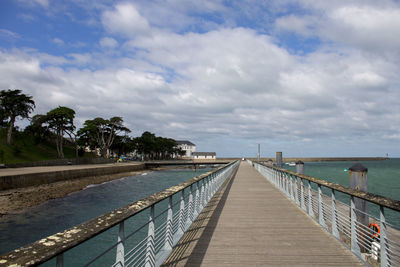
231	86
363	25
125	20
108	42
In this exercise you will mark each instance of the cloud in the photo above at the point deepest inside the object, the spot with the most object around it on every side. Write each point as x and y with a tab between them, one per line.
215	81
125	20
364	25
43	3
58	41
108	42
6	34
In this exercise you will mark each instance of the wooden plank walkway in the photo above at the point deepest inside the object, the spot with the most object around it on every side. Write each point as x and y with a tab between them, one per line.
250	223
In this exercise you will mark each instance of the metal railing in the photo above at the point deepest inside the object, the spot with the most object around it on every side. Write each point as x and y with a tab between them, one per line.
377	243
170	213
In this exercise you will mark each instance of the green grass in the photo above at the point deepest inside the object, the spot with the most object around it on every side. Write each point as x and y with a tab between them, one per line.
25	149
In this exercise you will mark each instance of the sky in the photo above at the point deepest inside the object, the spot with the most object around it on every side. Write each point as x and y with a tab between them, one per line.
305	77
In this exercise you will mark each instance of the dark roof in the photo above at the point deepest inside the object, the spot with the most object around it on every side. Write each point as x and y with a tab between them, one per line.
184	142
204	154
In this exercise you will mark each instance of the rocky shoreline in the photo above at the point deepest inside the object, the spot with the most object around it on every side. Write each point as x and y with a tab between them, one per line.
14	201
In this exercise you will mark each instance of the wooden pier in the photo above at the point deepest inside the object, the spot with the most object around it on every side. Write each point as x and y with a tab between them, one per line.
250	223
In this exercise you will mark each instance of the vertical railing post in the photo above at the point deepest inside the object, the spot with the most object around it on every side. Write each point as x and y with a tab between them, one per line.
196	201
150	257
181	211
208	190
292	195
355	248
310	197
60	260
383	238
189	218
201	197
213	177
120	257
321	219
335	231
168	233
302	204
296	191
287	186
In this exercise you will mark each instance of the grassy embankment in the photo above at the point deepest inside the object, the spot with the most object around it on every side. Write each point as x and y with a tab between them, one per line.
26	149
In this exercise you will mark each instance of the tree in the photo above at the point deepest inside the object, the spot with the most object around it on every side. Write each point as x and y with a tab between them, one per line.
101	133
61	121
155	147
37	129
14	104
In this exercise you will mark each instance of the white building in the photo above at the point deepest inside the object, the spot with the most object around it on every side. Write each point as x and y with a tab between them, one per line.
204	155
186	146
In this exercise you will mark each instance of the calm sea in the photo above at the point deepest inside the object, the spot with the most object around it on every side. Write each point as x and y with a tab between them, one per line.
383	179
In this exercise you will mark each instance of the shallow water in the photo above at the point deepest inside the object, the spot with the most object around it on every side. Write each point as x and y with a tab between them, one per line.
59	214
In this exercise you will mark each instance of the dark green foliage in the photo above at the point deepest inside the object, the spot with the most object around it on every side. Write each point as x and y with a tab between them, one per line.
101	133
153	147
61	122
14	104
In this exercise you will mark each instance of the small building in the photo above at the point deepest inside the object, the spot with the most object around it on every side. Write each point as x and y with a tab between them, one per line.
186	146
204	155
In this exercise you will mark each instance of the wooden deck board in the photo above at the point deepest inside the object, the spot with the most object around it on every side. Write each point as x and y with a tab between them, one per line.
250	223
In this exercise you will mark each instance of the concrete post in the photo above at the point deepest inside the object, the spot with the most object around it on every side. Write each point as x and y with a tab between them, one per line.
258	155
359	181
300	167
279	159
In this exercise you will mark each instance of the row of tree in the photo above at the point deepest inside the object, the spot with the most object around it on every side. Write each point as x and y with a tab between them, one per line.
106	135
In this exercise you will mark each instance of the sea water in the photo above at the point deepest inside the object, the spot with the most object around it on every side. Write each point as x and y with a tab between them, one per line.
383	179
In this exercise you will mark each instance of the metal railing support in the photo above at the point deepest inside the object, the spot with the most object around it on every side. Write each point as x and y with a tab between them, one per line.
355	248
321	219
181	211
335	231
203	195
310	197
150	253
120	257
302	204
286	185
196	201
190	208
60	260
168	234
296	191
383	236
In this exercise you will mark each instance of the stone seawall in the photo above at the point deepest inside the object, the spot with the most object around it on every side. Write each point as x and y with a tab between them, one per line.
39	178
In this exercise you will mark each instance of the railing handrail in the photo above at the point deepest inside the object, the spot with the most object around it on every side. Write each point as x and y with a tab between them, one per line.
51	246
374	198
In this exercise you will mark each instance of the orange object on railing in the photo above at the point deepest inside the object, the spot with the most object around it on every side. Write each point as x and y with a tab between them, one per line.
376	230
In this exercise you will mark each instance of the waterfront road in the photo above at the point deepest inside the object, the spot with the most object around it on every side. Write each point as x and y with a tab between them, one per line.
250	223
43	169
